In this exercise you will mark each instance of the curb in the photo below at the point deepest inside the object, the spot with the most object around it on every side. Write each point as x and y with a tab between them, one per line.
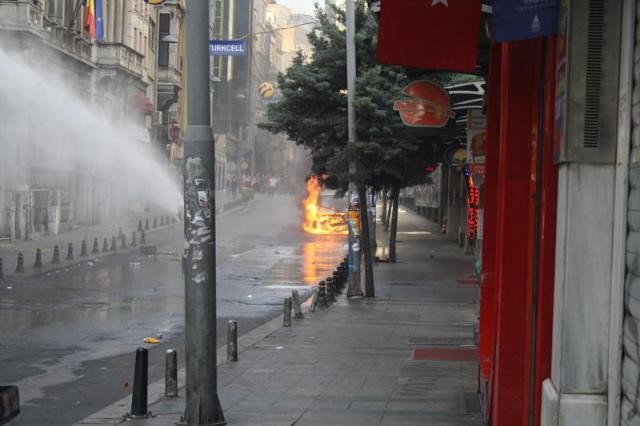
116	412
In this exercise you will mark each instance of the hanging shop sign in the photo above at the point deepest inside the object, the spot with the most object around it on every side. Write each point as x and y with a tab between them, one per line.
429	105
524	19
154	2
227	47
476	140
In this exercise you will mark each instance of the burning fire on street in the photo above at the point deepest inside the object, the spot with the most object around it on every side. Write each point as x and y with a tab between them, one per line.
319	219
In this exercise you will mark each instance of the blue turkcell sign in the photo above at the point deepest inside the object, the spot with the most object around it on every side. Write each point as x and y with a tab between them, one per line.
524	19
227	47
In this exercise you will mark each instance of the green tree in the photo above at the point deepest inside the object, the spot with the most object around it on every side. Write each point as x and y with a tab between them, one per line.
313	113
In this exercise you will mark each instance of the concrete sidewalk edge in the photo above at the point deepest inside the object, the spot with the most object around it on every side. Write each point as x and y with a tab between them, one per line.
155	392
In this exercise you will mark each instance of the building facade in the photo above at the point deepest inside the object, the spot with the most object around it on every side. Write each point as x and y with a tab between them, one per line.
116	72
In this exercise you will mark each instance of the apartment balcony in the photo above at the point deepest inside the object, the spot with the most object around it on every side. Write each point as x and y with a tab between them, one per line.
25	17
21	15
169	76
122	58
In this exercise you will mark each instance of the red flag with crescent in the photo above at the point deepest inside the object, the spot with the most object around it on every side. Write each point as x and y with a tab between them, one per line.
429	34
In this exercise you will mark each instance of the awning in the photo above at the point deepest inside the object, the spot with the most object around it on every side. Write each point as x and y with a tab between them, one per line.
143	103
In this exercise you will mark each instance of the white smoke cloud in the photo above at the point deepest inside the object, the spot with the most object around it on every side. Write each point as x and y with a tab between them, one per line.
66	132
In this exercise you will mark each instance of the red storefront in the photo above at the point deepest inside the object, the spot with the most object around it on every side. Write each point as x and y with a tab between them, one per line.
519	225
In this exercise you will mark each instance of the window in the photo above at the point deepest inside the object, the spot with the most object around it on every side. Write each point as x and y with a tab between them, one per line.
217	35
165	23
153	36
164	29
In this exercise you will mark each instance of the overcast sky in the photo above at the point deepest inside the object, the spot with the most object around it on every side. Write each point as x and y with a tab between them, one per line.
301	6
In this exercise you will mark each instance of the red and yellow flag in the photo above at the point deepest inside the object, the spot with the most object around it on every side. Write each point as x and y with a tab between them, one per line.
90	18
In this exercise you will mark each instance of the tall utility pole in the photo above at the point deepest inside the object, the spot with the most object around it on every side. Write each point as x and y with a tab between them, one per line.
202	402
355	253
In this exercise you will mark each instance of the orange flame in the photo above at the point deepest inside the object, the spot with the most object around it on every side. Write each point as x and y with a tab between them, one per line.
318	219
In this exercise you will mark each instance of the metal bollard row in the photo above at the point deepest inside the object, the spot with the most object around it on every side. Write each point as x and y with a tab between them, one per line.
84	252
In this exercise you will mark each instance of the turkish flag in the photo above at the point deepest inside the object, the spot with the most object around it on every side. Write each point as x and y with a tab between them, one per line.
431	34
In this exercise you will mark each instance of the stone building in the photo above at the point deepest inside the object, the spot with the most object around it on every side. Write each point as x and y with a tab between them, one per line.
119	73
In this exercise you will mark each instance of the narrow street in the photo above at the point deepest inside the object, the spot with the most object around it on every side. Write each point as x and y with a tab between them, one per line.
68	337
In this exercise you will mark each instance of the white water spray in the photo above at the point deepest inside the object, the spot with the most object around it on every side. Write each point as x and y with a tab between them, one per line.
43	120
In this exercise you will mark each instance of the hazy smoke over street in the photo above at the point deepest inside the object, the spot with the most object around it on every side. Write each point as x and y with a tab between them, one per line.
46	123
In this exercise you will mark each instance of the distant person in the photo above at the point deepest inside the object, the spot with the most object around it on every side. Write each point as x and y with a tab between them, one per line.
234	187
273	183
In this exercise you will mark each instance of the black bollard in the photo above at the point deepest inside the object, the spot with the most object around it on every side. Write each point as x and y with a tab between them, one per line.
105	245
143	239
330	290
114	246
173	219
140	384
70	251
343	277
123	242
56	255
286	321
295	303
314	301
166	220
20	266
171	373
1	269
134	239
232	340
162	220
120	234
95	246
139	225
337	285
38	263
146	224
322	294
155	222
83	248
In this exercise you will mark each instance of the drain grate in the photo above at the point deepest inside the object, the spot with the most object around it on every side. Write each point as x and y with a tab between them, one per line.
444	354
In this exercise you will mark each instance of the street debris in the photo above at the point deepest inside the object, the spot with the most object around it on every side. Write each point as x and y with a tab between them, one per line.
151	340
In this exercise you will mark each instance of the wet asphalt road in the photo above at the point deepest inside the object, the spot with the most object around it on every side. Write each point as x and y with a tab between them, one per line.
68	338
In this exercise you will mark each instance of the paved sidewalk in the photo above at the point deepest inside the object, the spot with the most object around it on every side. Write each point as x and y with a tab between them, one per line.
128	224
406	357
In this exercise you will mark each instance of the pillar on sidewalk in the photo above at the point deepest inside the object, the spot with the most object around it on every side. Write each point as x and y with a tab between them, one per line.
518	252
509	390
585	378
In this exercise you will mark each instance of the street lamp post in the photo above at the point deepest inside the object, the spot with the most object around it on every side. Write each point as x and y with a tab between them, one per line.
355	253
202	402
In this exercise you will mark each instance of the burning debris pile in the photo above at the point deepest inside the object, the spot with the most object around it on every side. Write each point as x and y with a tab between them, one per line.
319	219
